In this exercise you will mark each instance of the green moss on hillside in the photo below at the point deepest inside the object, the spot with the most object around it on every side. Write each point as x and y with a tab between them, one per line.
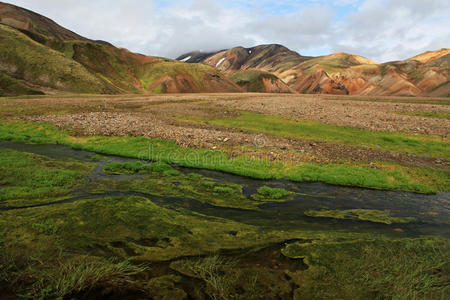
252	79
27	59
196	73
11	87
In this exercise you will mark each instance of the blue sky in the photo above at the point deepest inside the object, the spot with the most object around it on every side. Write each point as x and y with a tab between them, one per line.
382	30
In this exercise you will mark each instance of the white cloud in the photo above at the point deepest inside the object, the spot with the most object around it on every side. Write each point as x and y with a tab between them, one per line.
379	29
393	30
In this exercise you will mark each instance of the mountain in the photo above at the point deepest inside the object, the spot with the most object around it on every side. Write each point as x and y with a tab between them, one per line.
426	74
243	64
253	80
27	20
39	56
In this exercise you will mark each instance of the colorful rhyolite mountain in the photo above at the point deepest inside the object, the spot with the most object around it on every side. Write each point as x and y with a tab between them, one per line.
340	73
37	56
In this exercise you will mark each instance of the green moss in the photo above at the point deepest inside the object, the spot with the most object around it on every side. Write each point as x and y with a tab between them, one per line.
208	184
395	177
70	277
166	287
396	269
150	72
138	167
219	284
24	59
428	114
124	227
98	157
266	193
252	79
10	87
354	176
223	190
45	227
278	126
371	215
29	178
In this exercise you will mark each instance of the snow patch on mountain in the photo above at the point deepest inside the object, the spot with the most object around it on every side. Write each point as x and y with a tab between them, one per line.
220	62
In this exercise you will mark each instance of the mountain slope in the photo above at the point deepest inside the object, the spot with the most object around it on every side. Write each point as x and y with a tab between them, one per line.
38	55
27	20
252	80
23	58
340	73
270	58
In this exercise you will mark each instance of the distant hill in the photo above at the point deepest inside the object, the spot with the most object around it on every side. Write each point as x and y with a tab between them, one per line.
426	74
39	56
253	80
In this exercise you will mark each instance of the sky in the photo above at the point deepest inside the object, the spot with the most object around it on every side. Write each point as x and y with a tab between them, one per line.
382	30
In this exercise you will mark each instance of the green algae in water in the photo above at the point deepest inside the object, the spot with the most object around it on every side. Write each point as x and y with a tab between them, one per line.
268	194
98	157
126	227
137	167
31	179
372	215
423	180
364	269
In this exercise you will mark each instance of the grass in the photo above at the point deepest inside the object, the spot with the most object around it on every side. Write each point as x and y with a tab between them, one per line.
98	157
428	114
371	215
11	86
394	177
379	269
198	73
210	270
63	251
137	167
274	125
252	79
223	190
120	227
27	178
66	279
25	58
266	193
89	67
46	227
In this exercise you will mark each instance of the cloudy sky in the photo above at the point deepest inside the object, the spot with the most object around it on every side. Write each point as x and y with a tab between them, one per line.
382	30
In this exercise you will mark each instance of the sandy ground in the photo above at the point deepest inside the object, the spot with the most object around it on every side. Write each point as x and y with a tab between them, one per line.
153	116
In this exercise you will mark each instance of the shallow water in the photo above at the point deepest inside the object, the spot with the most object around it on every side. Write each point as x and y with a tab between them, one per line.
432	212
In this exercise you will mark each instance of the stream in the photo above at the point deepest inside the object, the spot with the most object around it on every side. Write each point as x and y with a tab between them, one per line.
431	212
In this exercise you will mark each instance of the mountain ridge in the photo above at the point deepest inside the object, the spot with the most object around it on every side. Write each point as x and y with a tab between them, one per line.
426	74
39	56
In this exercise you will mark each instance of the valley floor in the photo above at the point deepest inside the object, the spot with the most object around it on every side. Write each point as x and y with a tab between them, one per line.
224	196
408	136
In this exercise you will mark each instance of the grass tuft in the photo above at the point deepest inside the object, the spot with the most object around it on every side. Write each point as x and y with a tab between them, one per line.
69	278
266	193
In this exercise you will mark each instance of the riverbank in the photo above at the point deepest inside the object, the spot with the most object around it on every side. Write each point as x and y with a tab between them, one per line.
248	136
106	225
